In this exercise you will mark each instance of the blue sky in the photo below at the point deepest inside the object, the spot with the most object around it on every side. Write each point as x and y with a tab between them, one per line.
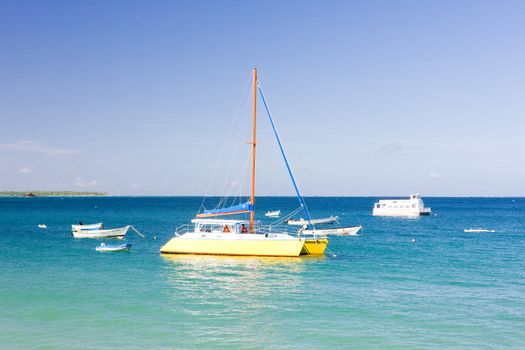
370	97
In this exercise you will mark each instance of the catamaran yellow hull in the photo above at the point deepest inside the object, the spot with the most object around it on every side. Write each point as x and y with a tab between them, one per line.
266	247
314	246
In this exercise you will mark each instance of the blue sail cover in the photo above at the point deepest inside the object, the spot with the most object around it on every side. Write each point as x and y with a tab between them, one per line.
236	209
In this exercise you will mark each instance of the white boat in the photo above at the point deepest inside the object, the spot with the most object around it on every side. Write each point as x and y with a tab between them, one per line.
342	231
82	227
302	222
42	226
112	233
476	230
401	207
113	248
273	214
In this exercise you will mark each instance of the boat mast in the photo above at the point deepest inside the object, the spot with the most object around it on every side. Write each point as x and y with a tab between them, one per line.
254	119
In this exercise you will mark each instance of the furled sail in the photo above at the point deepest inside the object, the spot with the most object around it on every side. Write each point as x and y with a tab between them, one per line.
236	209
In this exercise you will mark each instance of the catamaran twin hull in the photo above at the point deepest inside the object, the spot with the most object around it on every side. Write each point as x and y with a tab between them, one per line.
113	233
278	244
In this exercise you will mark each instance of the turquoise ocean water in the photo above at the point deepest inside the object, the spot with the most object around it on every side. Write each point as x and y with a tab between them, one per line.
446	290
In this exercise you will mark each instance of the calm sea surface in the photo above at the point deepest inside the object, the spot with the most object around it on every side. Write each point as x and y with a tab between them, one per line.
446	290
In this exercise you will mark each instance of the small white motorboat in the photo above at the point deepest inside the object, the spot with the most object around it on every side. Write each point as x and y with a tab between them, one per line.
82	227
342	231
42	226
477	230
113	233
301	221
273	214
113	248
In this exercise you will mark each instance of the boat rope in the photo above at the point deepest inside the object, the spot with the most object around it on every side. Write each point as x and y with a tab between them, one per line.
288	216
137	231
227	139
331	252
299	197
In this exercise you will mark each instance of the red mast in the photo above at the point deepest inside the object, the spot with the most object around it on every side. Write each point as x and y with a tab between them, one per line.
254	120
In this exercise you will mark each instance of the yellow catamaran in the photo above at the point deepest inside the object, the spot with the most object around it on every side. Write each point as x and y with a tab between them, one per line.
212	236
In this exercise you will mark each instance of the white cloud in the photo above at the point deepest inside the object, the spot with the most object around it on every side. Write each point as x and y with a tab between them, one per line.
395	147
83	183
25	170
29	146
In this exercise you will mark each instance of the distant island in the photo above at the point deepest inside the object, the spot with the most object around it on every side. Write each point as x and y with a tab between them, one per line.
50	194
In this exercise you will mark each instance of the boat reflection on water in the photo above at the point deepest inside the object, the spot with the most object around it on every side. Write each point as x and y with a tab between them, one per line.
209	261
234	299
237	278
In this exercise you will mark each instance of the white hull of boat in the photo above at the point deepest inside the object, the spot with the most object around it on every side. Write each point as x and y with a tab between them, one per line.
97	226
113	233
477	230
342	231
273	214
412	207
113	248
302	222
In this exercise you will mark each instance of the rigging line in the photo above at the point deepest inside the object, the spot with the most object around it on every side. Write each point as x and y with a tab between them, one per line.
234	151
286	217
299	197
246	89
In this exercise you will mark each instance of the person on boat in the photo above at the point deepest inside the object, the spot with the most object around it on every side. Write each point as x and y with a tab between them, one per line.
226	228
244	229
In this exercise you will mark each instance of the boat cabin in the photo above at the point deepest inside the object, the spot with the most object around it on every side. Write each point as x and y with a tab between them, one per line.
219	225
413	206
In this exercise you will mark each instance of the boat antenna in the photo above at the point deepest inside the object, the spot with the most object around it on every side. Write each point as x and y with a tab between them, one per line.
254	120
301	200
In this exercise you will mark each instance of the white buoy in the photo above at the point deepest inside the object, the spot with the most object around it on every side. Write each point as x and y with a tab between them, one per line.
413	240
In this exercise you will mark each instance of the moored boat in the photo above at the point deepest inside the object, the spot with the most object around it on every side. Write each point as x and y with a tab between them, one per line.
81	226
477	230
212	236
42	226
411	207
302	222
342	231
111	233
273	214
230	237
113	248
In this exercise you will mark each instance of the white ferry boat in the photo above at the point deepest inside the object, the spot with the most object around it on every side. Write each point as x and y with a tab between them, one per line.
401	207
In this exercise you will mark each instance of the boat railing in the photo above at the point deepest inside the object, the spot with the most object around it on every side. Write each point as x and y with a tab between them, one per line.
280	228
183	229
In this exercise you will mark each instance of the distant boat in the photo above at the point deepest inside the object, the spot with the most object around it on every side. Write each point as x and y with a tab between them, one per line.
476	230
42	226
401	207
82	227
113	248
343	231
301	221
112	233
273	214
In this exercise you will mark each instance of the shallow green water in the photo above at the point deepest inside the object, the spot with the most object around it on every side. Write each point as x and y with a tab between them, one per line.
448	289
